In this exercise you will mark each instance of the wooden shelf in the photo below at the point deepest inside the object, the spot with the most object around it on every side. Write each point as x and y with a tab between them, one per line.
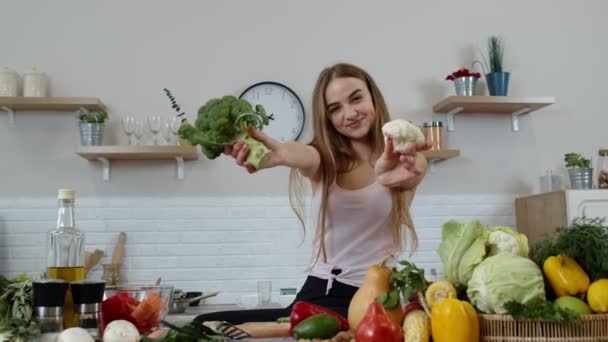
515	106
106	153
137	152
51	103
441	154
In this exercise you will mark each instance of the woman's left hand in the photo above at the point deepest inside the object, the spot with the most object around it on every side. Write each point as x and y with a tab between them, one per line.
400	169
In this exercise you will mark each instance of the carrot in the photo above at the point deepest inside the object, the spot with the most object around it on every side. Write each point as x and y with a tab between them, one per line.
149	308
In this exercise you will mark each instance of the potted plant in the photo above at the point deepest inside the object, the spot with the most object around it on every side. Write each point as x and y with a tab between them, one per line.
464	81
579	170
496	78
91	126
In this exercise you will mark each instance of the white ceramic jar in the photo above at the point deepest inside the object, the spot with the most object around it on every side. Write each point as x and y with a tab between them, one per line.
8	82
34	84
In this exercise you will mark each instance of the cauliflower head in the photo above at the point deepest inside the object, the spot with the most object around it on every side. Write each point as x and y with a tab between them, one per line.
403	132
505	239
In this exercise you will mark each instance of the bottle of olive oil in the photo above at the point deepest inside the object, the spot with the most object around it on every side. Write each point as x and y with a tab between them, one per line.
65	246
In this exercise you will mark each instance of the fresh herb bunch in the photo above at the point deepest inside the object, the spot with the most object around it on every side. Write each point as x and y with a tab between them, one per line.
86	116
586	241
540	308
407	282
576	160
174	104
16	309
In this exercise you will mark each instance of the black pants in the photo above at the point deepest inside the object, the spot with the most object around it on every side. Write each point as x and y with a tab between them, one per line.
313	291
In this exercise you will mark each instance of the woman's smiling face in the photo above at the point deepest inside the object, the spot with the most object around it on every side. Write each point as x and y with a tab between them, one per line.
350	107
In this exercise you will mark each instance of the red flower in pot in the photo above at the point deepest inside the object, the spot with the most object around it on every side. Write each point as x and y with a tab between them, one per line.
462	72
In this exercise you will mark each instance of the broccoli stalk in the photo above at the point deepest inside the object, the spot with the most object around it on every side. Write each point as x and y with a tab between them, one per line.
224	121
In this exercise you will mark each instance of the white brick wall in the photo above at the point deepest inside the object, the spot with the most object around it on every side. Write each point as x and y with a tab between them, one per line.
212	244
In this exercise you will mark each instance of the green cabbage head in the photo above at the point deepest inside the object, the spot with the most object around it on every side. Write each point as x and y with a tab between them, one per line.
462	248
502	278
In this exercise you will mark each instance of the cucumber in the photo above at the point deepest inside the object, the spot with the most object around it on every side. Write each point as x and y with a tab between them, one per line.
318	326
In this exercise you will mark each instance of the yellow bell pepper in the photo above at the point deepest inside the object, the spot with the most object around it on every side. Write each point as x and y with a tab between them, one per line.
454	320
566	276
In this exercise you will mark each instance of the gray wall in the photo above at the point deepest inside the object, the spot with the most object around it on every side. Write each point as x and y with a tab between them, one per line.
125	52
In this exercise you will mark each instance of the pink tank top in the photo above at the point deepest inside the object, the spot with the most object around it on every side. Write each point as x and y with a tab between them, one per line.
357	233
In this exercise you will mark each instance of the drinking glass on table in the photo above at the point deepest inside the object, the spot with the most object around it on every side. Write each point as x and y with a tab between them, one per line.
264	292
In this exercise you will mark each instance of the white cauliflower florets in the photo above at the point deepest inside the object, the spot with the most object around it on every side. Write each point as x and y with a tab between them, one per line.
503	242
403	132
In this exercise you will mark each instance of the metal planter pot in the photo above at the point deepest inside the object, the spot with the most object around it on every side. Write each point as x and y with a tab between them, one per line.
465	86
91	133
581	177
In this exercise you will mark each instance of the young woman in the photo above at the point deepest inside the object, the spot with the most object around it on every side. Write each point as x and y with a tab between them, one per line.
361	189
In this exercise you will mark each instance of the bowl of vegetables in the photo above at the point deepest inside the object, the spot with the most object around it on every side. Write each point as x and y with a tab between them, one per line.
143	305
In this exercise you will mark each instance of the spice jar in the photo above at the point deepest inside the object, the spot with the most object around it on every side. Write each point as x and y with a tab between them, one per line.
433	131
602	179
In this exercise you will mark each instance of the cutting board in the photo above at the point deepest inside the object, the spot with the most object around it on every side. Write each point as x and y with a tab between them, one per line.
266	329
260	329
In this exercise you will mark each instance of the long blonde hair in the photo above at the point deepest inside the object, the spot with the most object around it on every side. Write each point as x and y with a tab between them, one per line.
338	156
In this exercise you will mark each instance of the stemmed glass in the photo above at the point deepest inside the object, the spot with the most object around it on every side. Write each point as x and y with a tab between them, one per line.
128	125
138	131
154	122
172	125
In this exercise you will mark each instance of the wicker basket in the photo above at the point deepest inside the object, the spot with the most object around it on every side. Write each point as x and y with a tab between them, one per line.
503	328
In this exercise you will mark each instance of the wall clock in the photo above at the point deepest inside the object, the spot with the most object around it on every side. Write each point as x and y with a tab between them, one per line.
279	100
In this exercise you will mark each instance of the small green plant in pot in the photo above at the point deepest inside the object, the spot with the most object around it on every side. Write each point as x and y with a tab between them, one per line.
579	171
496	78
91	125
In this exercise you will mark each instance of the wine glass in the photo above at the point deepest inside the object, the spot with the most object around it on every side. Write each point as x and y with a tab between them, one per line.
154	123
173	123
128	125
138	131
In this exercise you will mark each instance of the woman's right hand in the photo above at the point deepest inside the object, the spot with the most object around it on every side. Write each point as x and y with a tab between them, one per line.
239	151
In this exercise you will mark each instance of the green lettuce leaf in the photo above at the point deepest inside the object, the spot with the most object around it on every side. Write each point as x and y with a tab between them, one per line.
456	238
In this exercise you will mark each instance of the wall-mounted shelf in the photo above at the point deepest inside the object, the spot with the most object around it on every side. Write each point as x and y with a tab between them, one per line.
12	104
515	106
434	156
106	153
440	154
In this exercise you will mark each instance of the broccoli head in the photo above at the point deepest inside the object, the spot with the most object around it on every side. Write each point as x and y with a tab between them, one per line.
223	121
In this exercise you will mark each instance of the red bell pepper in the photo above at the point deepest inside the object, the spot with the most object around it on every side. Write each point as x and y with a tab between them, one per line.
376	326
303	310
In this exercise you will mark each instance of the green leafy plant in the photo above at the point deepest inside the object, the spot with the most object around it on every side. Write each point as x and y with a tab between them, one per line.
576	160
495	55
175	105
540	308
407	283
85	116
16	321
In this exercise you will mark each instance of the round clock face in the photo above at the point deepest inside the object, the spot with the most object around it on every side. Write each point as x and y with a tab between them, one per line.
283	104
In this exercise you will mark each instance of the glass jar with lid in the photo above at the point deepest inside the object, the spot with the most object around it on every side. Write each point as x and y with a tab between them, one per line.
602	167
